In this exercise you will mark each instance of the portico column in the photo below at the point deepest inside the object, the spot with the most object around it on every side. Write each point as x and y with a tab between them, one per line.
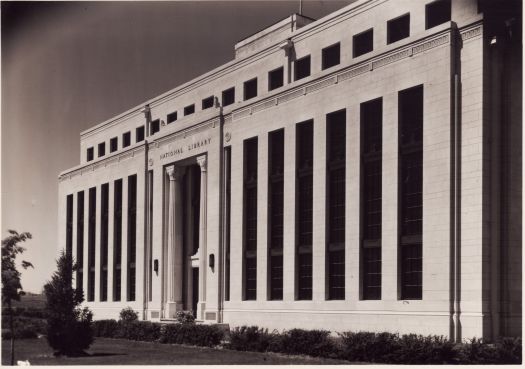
174	246
201	306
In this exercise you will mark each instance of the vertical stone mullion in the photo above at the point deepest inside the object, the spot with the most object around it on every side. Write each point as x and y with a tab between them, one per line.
236	249
319	210
289	203
124	256
111	245
98	222
262	217
203	221
352	206
390	181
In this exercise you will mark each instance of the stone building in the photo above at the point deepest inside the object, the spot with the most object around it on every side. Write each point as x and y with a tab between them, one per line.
357	172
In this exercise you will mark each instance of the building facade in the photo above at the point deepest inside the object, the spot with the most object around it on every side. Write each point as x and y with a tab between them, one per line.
358	172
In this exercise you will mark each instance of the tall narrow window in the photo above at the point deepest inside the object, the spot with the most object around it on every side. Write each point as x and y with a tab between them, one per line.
250	219
117	240
227	221
91	243
150	235
411	192
90	154
126	139
335	175
275	213
304	209
69	225
132	235
371	177
139	132
80	241
104	207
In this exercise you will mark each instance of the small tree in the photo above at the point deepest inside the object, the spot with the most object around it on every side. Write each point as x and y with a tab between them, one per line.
68	326
11	285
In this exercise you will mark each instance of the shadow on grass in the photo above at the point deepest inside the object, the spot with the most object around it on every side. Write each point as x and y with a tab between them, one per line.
86	354
105	354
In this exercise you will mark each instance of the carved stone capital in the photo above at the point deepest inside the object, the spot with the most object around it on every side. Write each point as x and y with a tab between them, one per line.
175	173
203	162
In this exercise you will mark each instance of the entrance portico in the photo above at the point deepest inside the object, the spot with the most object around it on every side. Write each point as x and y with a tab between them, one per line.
184	268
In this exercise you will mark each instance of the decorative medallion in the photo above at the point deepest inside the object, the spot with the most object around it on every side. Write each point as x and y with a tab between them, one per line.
228	136
150	161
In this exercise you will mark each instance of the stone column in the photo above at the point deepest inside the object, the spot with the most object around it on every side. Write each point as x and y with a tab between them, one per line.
201	305
174	242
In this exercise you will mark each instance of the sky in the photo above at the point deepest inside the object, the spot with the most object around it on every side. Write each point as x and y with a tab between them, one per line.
67	66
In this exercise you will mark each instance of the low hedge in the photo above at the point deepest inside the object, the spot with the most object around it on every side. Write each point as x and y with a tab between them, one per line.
24	327
253	339
192	334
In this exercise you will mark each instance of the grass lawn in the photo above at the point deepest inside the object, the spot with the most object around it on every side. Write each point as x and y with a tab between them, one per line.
105	351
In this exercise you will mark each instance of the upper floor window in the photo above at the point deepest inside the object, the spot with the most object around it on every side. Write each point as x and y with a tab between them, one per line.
140	134
331	56
250	89
172	117
302	68
275	78
398	28
228	96
155	126
126	139
90	153
207	103
437	13
113	144
101	149
190	109
363	42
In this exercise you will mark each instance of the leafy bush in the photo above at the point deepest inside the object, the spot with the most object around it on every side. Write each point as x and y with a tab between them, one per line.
185	317
417	349
509	350
313	343
368	346
191	334
106	328
128	315
140	331
253	339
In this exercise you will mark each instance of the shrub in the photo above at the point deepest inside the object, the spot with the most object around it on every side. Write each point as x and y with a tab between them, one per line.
253	339
140	331
417	349
313	343
128	315
509	350
368	346
185	317
69	329
191	334
106	328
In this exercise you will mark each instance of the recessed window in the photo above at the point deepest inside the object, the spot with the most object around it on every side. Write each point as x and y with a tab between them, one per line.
190	109
250	89
275	78
155	126
101	149
172	117
113	144
140	134
398	28
126	139
331	56
228	96
90	154
207	103
437	13
363	43
302	68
